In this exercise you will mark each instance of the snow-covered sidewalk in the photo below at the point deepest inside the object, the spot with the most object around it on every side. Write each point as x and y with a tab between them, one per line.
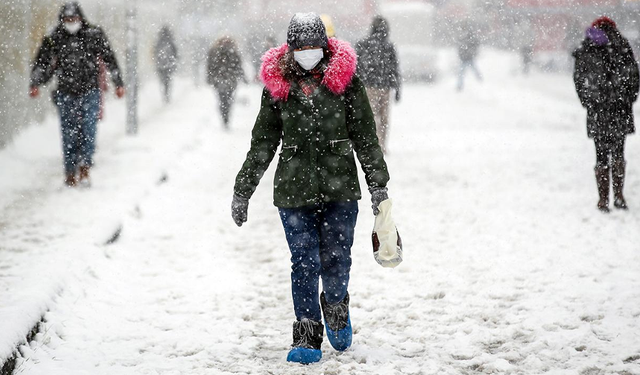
509	267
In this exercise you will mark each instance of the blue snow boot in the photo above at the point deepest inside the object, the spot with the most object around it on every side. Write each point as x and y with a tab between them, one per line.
307	339
338	322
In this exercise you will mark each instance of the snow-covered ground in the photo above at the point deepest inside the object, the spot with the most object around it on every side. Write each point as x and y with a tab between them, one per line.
509	267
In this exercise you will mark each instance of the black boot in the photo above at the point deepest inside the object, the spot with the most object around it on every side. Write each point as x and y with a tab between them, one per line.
602	179
307	340
338	321
618	184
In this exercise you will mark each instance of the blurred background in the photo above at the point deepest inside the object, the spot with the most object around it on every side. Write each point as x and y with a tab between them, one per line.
421	30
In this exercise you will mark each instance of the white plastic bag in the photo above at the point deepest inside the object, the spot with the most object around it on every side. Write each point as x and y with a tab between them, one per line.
387	245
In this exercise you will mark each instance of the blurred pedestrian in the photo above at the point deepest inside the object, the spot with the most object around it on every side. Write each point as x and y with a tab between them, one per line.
378	68
166	56
328	25
73	52
524	40
468	47
268	43
316	105
607	81
224	70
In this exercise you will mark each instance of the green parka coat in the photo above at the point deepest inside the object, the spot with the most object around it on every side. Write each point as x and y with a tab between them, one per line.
319	135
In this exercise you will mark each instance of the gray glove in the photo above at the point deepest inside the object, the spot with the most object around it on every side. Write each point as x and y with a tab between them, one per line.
378	195
239	207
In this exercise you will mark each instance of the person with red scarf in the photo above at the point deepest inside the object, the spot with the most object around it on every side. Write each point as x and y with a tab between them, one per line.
607	82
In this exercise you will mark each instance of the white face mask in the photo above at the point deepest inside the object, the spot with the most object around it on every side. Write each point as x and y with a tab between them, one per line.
309	58
73	27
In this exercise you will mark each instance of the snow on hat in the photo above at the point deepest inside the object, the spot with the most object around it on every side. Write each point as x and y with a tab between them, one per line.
597	36
306	29
604	22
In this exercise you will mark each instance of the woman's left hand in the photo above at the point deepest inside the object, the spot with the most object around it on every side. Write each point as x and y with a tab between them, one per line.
378	195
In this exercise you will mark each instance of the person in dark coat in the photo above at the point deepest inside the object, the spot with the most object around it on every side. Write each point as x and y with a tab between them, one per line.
74	52
607	81
468	47
259	44
378	68
166	56
318	108
224	70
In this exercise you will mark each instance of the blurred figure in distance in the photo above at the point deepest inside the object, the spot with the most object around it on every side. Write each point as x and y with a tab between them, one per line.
607	81
224	70
468	47
524	40
73	53
378	68
328	25
166	56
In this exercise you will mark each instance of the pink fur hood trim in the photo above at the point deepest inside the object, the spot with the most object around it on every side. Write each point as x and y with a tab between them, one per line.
337	76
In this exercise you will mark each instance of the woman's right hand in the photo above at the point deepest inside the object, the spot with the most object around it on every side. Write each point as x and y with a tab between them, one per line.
239	208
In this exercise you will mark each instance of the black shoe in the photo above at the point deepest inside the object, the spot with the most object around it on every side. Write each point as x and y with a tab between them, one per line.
620	203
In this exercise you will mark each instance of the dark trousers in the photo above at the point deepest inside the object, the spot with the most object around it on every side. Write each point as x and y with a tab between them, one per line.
78	120
225	96
320	239
609	146
165	80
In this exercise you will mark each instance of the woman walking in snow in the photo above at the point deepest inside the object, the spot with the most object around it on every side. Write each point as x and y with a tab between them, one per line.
318	108
224	70
607	81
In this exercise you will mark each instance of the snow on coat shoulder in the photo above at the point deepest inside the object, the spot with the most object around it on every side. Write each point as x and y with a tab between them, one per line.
337	76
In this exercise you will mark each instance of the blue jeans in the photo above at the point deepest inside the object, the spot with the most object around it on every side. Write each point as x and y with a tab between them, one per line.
320	239
464	65
78	119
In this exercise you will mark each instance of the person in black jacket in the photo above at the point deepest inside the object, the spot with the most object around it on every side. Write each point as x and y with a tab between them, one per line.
607	81
378	69
224	70
73	52
166	56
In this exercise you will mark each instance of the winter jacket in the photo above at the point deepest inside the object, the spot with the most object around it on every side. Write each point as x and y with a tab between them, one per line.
377	60
166	53
468	46
224	66
75	59
607	81
319	134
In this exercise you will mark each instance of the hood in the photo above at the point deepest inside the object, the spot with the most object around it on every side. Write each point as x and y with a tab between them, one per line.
337	77
379	28
71	9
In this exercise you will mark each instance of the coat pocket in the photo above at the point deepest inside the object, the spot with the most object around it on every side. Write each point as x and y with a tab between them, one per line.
287	153
342	147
